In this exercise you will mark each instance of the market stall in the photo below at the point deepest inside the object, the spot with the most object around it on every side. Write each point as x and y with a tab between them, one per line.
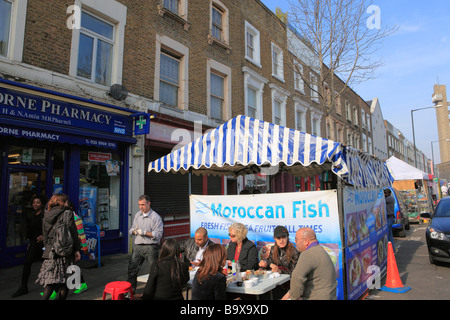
415	187
350	221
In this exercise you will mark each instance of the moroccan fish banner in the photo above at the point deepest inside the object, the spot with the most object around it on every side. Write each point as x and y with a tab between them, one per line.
365	238
262	213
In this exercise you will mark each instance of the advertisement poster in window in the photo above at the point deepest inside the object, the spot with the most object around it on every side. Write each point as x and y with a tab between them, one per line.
88	205
112	167
365	237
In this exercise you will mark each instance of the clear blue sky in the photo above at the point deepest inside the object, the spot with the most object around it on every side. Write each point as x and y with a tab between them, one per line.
415	59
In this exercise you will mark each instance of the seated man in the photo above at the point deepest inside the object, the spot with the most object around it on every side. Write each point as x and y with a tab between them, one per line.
193	248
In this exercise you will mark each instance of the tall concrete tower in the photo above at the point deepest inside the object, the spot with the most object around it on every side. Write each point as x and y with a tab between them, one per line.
443	126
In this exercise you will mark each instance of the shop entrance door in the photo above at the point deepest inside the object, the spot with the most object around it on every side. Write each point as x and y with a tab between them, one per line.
23	185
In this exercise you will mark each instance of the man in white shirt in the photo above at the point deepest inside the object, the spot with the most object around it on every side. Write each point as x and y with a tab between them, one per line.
444	191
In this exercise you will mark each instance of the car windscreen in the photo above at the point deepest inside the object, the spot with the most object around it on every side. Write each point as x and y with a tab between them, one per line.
443	209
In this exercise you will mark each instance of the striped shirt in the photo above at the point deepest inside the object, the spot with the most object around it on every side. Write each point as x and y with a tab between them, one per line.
148	222
80	230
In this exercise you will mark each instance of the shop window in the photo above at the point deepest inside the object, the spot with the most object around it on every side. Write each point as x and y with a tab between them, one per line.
99	194
58	170
20	155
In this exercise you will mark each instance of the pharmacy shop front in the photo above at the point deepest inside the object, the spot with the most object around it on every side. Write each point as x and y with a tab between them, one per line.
51	143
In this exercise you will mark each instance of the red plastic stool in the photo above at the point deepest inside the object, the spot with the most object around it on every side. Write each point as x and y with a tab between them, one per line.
117	290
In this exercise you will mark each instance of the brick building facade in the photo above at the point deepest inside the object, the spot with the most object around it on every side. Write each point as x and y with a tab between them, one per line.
193	64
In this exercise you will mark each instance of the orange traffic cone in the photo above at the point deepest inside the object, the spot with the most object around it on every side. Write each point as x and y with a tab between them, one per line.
393	281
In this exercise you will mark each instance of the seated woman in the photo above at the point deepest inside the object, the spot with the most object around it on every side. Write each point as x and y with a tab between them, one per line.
283	255
209	282
241	249
168	275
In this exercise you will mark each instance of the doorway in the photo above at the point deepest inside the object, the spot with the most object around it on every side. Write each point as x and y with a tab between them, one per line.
23	185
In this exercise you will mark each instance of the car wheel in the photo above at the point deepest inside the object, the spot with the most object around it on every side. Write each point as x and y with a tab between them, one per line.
408	226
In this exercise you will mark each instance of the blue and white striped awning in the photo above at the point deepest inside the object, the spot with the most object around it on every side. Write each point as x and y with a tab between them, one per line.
245	145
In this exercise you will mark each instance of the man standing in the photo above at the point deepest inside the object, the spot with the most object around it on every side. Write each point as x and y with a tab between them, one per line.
390	213
193	248
314	276
148	229
444	190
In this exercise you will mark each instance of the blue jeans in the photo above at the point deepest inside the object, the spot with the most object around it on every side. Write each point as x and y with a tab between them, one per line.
139	255
390	222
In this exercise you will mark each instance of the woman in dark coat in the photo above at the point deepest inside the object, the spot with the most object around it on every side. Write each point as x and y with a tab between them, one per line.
209	282
168	275
34	235
53	274
283	255
241	249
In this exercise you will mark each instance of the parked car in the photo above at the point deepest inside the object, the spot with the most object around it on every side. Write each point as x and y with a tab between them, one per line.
401	223
438	232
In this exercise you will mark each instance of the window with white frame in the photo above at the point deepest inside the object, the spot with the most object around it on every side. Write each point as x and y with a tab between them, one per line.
97	46
348	111
175	9
217	28
219	22
314	88
253	89
277	112
171	73
300	114
299	83
172	5
355	115
12	28
169	78
279	99
369	125
219	88
95	54
337	102
277	62
5	26
216	95
252	106
369	145
252	44
363	118
316	119
364	142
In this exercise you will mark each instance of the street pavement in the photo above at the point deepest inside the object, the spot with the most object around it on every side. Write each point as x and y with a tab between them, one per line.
114	268
427	281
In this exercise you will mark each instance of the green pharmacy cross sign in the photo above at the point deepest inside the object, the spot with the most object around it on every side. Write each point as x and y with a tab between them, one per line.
142	123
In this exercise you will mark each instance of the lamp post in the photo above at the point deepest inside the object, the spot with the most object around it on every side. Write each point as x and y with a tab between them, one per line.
432	153
414	136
